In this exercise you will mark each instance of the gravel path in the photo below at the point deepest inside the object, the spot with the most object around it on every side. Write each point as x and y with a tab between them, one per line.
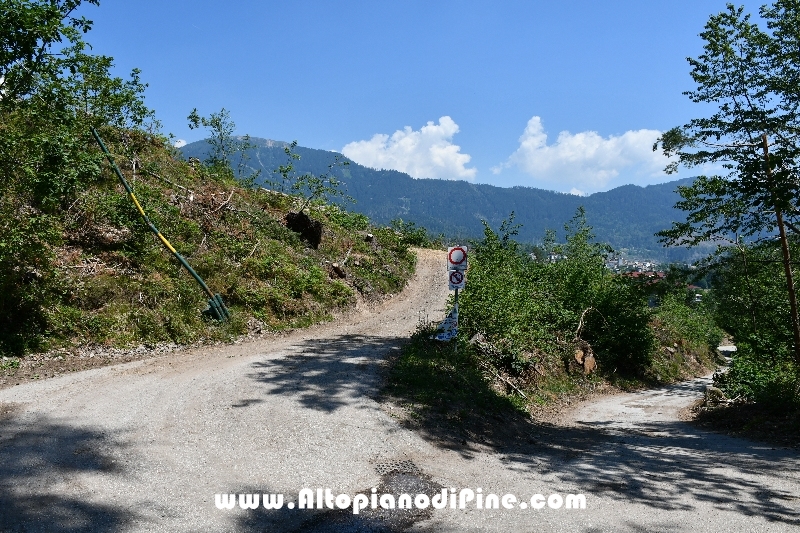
640	467
145	446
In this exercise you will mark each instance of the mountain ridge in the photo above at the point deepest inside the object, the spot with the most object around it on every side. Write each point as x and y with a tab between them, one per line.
626	217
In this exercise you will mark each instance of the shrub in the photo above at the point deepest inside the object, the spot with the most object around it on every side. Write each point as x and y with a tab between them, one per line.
749	378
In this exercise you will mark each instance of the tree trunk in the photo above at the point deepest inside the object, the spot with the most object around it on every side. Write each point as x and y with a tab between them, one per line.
787	267
787	264
752	305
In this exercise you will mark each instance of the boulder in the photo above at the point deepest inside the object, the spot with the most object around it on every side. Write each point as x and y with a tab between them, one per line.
309	230
338	270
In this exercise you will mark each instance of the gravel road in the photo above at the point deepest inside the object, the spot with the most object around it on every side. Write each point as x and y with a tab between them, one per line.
145	446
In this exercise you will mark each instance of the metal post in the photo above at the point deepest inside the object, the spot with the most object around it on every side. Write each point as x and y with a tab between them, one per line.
455	346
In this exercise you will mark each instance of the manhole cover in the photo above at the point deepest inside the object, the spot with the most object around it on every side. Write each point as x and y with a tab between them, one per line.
397	467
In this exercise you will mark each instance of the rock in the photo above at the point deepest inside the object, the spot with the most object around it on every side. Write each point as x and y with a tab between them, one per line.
255	326
484	347
308	229
584	356
589	364
477	339
714	396
103	235
337	268
670	349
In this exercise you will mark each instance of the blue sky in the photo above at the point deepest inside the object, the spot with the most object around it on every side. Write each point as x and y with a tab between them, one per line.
565	95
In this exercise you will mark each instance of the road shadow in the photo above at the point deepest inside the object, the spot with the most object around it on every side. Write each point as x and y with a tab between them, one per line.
326	374
40	453
779	426
665	466
672	465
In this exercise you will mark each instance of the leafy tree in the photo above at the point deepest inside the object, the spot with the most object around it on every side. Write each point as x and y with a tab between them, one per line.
51	92
28	32
285	172
749	75
750	297
309	185
224	145
613	309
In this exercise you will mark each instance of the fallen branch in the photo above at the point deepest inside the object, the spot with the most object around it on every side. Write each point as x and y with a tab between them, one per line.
167	181
223	204
253	250
580	322
493	371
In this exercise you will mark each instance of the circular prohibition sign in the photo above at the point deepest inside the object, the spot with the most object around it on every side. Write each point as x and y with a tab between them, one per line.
456	277
457	256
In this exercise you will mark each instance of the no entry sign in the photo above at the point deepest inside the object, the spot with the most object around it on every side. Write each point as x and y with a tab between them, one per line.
457	280
457	258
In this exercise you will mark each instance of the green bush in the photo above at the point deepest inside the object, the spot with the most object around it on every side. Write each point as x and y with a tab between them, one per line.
346	219
619	330
526	306
29	281
751	378
413	235
694	324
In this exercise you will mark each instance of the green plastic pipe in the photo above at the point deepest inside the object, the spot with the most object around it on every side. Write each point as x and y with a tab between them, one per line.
215	303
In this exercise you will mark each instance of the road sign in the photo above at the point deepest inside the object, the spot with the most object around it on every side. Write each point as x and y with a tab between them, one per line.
457	258
457	279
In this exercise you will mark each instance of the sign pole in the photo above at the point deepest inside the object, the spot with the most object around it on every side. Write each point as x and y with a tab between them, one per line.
455	346
456	272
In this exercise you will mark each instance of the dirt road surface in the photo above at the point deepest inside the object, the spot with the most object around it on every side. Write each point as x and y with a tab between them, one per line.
145	446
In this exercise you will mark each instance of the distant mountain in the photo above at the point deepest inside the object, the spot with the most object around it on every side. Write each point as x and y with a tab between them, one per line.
625	217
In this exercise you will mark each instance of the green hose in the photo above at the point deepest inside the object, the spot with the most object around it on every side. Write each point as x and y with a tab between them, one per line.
216	307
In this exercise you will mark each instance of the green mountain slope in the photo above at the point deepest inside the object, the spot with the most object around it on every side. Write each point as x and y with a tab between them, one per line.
625	217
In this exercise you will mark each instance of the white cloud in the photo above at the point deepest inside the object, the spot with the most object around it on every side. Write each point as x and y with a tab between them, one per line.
426	153
577	192
180	143
586	161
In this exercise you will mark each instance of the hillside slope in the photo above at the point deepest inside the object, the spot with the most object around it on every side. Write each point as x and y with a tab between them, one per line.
103	278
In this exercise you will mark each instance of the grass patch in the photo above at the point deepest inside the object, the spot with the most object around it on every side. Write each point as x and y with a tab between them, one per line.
442	378
766	423
9	363
441	390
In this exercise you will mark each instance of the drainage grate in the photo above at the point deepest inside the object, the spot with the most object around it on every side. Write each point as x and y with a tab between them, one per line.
397	467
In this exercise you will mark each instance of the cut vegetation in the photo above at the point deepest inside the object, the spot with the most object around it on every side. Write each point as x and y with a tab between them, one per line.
108	281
